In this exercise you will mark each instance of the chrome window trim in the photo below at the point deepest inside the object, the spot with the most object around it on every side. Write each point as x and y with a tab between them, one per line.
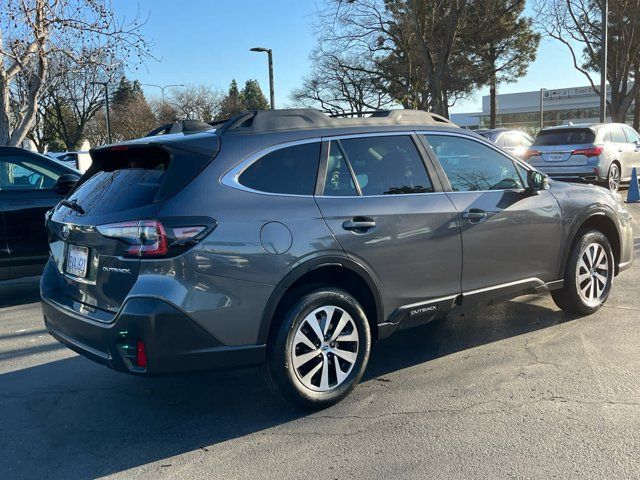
489	144
231	178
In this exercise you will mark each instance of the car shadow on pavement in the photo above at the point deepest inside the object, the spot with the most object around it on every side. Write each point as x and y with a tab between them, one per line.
71	418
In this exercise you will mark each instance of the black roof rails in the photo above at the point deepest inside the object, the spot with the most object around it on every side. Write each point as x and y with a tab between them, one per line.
260	121
180	126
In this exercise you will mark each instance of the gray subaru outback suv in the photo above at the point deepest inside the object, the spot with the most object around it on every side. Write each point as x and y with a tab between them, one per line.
295	241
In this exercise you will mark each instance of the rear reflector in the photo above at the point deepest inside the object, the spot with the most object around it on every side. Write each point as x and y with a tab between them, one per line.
141	355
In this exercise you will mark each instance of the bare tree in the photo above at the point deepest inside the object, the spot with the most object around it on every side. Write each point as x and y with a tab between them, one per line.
75	95
577	24
412	48
33	32
199	102
337	85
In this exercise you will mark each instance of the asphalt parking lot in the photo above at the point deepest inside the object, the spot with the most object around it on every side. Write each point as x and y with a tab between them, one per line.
518	390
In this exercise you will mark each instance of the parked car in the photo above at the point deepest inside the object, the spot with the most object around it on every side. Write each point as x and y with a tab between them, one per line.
516	142
30	184
293	240
598	153
77	160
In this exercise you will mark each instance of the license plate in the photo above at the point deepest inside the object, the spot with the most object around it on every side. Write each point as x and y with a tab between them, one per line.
556	157
77	260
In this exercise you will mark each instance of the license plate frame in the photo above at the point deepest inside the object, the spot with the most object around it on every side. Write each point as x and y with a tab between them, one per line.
77	264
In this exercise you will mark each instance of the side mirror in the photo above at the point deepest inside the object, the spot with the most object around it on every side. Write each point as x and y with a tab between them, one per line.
537	181
65	183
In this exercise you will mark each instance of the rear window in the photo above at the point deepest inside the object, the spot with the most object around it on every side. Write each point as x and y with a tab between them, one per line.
123	189
130	176
290	170
569	136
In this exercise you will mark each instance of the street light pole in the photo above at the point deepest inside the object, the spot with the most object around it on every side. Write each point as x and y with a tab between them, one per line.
162	87
542	108
603	61
106	106
269	53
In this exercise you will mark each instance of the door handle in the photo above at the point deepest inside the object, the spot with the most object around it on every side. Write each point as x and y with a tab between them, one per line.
475	215
359	224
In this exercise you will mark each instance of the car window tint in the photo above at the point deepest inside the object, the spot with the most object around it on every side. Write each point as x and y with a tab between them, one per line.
338	180
290	170
17	173
503	141
386	165
617	135
472	166
606	136
632	135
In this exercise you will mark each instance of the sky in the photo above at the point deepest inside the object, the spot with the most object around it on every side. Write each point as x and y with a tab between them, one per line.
208	42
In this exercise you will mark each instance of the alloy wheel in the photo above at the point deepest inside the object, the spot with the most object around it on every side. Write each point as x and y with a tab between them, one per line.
614	178
324	348
592	274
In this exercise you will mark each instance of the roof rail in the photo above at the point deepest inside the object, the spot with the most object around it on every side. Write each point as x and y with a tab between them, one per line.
260	121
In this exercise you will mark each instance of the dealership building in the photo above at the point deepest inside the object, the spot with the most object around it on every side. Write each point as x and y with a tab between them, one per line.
522	110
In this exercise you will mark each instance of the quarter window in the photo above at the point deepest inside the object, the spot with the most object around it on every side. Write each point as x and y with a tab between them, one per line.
617	135
289	170
472	166
386	165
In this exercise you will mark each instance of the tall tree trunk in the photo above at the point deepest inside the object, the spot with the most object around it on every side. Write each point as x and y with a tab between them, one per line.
5	120
493	94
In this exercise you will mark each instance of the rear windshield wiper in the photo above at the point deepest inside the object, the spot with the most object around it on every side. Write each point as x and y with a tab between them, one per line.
73	205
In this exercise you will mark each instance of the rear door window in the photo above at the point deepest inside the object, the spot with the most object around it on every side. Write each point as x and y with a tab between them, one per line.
290	170
565	136
472	166
339	180
386	165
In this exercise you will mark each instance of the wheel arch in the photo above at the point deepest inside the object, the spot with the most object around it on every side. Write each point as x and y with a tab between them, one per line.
599	219
340	272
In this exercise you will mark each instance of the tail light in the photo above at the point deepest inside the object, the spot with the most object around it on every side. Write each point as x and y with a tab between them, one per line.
588	152
531	153
150	238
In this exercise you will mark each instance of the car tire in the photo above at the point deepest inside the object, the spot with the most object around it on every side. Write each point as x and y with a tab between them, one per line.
613	177
588	275
314	363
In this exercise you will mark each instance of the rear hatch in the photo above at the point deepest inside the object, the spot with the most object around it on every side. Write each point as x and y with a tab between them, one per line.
564	147
94	234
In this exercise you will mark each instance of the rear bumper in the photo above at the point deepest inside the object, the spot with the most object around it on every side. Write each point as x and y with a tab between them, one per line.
172	341
580	173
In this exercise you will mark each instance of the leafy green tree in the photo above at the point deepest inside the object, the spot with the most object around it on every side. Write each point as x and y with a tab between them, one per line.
126	91
232	103
503	43
253	97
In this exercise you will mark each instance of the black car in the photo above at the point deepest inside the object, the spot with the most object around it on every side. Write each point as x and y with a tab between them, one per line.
30	184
